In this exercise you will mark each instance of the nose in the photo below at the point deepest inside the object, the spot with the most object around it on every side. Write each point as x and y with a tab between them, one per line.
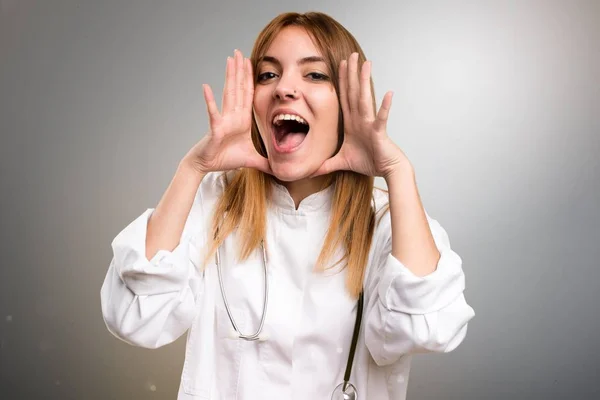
285	90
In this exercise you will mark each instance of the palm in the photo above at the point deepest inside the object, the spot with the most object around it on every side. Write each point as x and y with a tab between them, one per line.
229	145
359	153
366	149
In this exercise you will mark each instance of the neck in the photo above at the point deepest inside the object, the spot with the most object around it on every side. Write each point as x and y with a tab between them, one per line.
301	189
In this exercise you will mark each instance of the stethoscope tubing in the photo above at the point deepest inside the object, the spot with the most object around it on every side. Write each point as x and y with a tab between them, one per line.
255	335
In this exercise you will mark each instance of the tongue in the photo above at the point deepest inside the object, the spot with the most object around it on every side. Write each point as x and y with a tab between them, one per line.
291	140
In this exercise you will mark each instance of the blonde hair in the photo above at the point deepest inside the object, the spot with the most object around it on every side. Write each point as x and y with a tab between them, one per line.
243	204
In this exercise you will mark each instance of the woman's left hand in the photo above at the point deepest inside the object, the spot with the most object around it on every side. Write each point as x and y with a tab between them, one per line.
366	149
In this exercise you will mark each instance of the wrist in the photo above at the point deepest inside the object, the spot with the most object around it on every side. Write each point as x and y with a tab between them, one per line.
190	170
402	169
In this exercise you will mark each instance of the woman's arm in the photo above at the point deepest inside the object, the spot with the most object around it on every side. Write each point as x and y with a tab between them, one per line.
168	220
148	297
415	289
412	240
415	286
150	291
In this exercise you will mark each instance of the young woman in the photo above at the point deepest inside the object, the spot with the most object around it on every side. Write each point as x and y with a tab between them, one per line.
294	277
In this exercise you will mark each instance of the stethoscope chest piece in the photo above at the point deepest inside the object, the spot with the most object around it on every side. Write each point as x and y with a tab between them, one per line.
344	391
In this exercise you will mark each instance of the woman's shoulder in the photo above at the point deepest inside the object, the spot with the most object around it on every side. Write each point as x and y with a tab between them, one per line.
381	207
382	233
213	184
381	200
211	189
214	180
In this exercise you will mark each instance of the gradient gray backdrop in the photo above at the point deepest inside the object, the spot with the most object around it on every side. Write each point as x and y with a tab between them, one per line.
497	104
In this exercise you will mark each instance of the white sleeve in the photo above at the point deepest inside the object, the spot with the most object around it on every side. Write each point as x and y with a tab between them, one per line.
151	303
411	314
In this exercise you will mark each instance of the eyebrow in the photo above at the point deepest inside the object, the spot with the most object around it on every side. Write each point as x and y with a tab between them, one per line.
305	60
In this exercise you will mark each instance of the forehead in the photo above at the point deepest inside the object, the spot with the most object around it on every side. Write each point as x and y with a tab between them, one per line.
294	42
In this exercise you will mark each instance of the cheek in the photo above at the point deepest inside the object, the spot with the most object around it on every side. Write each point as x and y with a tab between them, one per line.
261	100
333	117
260	111
330	103
329	141
326	105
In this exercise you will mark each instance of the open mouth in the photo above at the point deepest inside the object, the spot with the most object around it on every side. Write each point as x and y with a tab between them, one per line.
289	131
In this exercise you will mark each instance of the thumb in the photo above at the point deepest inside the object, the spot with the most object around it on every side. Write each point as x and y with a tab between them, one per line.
330	165
260	163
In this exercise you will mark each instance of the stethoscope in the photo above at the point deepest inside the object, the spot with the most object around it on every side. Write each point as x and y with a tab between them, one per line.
345	390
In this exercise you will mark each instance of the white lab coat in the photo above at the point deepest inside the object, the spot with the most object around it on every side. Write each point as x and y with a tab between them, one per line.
310	317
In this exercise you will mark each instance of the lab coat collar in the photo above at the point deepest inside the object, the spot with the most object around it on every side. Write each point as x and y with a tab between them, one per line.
319	202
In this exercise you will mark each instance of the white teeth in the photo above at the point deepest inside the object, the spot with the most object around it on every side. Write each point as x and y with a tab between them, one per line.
290	117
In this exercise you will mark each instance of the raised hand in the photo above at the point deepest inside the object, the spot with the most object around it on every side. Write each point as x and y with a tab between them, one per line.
228	144
367	149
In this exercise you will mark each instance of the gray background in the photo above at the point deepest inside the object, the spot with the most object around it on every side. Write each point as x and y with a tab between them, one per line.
497	104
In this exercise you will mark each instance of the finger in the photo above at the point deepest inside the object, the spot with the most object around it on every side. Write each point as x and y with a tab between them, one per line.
353	84
366	101
260	163
229	87
239	79
343	78
211	106
249	85
384	110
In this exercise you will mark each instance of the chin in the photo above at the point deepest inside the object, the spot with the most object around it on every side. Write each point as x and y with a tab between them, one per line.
291	172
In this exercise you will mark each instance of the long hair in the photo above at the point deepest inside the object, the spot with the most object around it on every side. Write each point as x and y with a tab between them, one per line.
243	204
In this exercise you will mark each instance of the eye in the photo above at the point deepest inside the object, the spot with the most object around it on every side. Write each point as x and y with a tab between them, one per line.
318	76
265	76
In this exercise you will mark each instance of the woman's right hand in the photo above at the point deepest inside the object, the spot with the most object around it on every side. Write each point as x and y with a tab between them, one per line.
228	145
